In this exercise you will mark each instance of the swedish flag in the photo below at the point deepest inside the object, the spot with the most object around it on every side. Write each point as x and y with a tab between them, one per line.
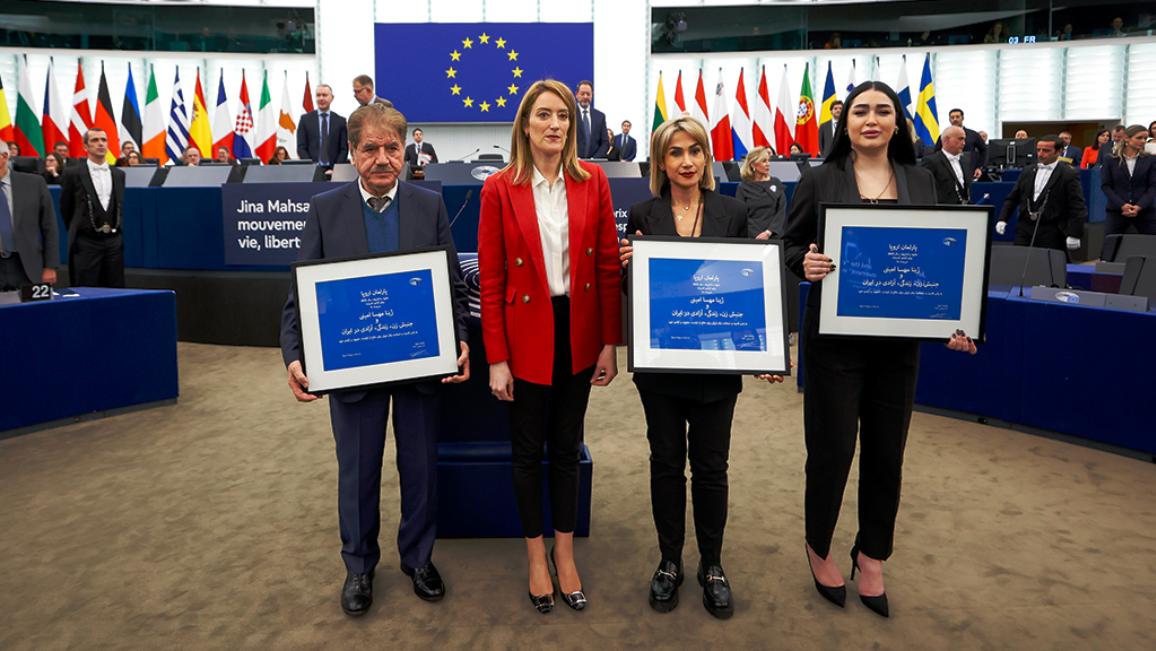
926	115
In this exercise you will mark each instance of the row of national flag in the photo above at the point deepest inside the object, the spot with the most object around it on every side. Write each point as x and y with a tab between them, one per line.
791	119
156	133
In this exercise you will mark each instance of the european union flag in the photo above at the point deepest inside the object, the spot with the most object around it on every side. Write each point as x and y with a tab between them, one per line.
476	72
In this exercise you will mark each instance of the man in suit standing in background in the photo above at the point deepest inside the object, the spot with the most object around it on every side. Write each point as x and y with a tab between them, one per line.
420	153
592	140
1050	199
972	143
952	184
363	92
378	213
625	147
92	204
29	241
1069	153
828	129
321	136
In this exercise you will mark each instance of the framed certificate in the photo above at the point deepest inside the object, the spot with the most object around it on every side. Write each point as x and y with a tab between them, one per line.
707	305
905	271
376	320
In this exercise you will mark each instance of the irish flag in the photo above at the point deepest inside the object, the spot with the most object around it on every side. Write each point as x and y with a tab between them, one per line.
153	132
28	135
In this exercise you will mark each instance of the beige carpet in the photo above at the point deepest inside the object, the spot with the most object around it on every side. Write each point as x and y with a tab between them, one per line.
211	524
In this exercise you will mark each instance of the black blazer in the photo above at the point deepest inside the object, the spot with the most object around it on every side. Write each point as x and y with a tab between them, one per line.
1064	205
309	139
947	187
1138	188
829	183
33	225
971	143
623	148
826	137
766	203
77	193
335	228
722	216
599	144
426	148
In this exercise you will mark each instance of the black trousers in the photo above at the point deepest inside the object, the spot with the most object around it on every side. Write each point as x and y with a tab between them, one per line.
1115	223
550	415
12	274
864	386
96	261
1049	235
707	442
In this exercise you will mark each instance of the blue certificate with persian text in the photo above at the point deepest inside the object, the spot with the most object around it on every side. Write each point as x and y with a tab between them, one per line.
901	272
702	304
377	319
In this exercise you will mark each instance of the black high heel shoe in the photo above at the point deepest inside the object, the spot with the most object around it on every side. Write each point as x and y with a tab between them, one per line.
542	603
877	604
835	594
577	599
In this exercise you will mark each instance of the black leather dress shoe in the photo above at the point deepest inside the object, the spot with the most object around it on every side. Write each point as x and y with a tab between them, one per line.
427	583
357	594
716	591
664	586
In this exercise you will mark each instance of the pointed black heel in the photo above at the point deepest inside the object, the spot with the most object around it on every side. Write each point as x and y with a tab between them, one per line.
542	603
835	594
577	599
877	604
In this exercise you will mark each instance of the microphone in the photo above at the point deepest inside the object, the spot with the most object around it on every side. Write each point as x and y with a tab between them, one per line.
502	148
1032	243
463	158
465	202
985	197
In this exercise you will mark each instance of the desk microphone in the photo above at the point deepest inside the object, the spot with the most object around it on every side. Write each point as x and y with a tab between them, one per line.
985	197
465	202
503	149
463	158
1032	242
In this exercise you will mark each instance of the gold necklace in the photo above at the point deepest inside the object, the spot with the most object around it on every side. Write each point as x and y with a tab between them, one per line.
890	180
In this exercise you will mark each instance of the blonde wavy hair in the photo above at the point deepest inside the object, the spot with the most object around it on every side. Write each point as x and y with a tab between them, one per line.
660	142
521	158
754	156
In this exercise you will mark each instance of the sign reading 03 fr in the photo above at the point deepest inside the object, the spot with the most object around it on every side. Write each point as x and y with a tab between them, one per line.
905	271
475	72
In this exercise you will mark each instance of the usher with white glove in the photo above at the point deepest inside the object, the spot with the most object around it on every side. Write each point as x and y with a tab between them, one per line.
1000	227
1073	243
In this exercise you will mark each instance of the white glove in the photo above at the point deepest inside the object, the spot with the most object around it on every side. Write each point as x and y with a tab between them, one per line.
1000	227
1073	243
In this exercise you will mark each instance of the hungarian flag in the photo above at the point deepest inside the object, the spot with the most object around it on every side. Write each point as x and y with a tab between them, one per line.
154	123
200	134
659	106
785	111
806	124
307	101
104	118
222	121
243	130
721	139
28	135
286	127
130	126
266	126
81	119
6	130
53	121
698	107
763	129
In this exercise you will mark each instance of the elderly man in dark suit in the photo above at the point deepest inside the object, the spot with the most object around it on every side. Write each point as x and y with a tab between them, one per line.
972	144
592	139
378	213
1050	199
92	204
29	250
321	135
950	168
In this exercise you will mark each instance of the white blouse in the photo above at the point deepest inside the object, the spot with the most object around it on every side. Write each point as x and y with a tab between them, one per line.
554	230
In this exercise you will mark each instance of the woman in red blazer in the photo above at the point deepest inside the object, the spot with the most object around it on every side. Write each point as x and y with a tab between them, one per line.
551	315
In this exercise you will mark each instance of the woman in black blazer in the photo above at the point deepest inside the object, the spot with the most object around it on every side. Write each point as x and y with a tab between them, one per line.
1129	183
764	196
856	385
685	204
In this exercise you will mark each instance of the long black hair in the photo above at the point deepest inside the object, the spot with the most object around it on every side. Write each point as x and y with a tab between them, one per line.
899	150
